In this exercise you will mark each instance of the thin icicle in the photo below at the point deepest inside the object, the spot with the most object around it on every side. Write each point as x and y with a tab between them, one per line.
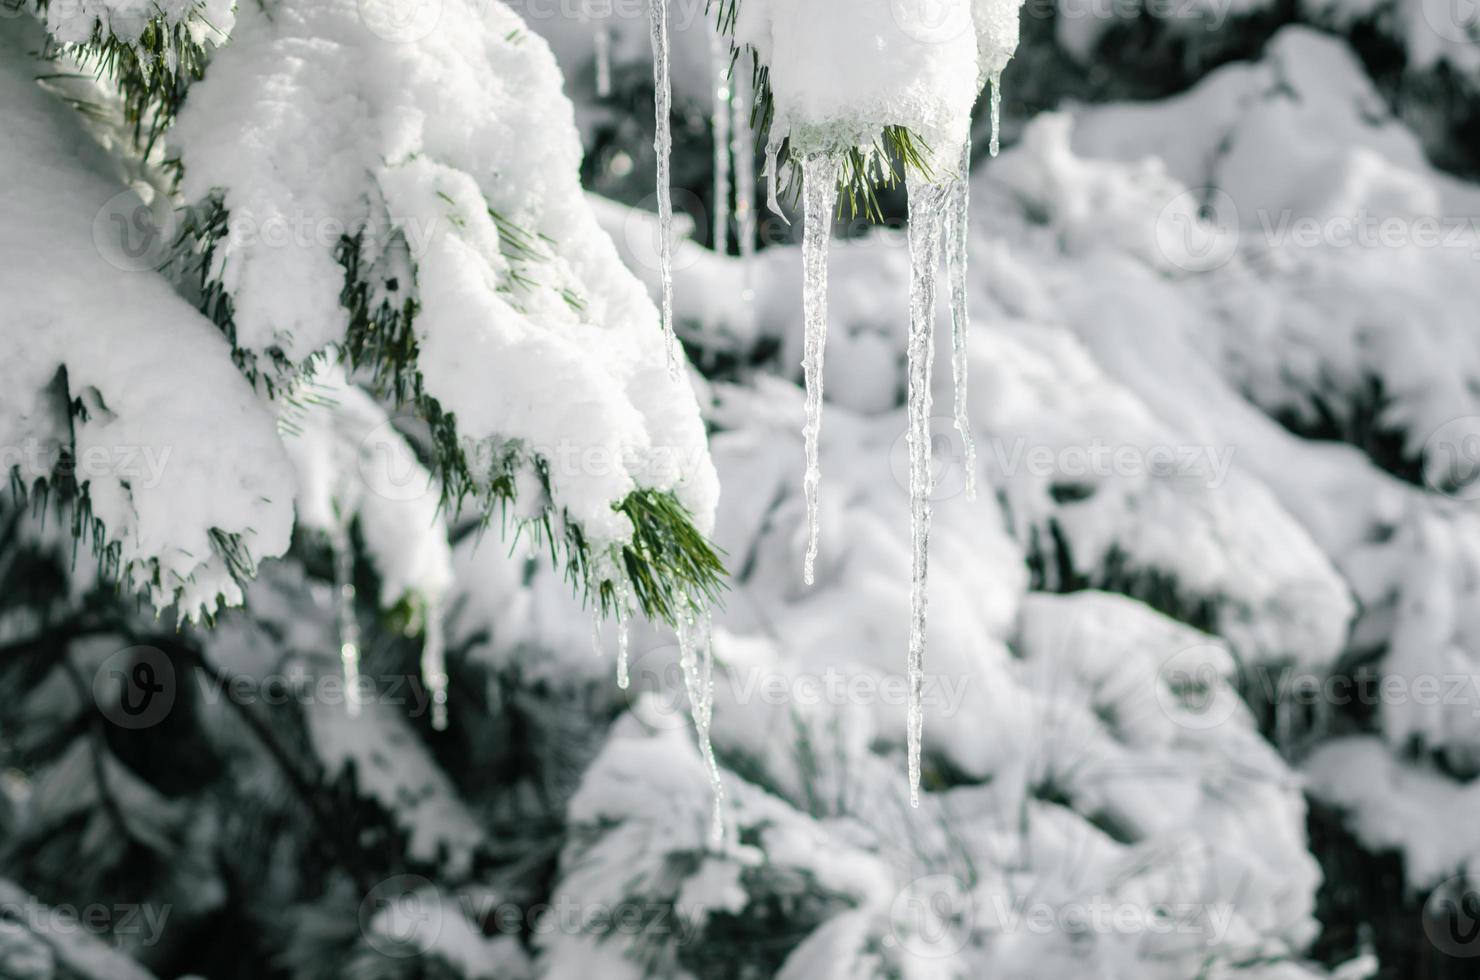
698	676
956	231
926	207
596	647
773	176
344	603
434	665
819	198
623	637
996	84
742	148
663	146
719	55
603	61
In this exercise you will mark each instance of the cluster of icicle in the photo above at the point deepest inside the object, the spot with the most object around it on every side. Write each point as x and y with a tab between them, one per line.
937	222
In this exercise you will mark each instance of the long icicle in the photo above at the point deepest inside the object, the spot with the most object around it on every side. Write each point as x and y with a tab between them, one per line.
956	235
996	84
742	148
434	665
819	199
344	603
926	203
698	676
663	146
719	57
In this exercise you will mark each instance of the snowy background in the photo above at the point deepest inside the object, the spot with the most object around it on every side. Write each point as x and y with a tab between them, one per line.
1202	680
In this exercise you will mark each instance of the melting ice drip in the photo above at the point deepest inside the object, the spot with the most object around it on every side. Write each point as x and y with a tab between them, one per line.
603	61
434	665
663	146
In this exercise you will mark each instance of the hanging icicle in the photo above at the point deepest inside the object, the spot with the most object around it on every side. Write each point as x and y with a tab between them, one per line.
719	59
956	239
663	146
603	61
342	550
996	84
698	675
927	204
434	665
742	148
819	199
624	596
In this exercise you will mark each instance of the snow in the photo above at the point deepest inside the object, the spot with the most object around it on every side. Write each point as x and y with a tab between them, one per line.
159	385
74	21
310	124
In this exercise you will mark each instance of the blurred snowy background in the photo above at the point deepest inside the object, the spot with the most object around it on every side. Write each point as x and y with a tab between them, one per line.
1203	679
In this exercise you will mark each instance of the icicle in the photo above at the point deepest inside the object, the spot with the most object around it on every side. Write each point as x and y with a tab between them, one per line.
603	61
349	626
819	198
596	633
719	54
698	676
996	83
926	204
773	161
434	665
742	148
663	145
956	233
623	639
